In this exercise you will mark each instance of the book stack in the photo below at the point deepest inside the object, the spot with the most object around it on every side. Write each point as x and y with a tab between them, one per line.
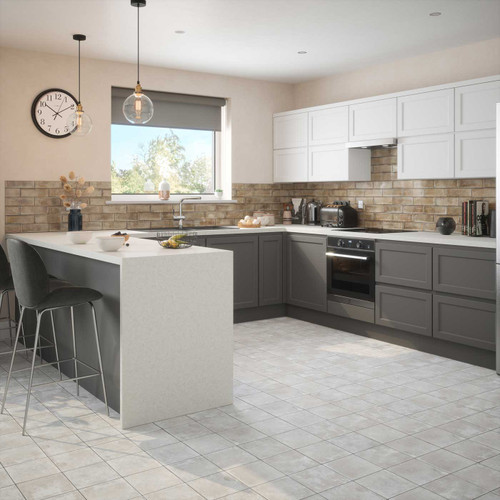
475	218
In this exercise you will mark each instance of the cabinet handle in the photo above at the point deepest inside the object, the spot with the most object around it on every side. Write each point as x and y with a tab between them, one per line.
345	256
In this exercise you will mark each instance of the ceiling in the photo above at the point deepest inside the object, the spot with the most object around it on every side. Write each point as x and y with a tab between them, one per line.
250	38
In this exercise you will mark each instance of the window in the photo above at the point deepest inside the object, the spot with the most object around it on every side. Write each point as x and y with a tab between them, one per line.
180	144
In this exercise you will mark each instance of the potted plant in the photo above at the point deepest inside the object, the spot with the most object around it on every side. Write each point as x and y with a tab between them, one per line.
74	189
219	193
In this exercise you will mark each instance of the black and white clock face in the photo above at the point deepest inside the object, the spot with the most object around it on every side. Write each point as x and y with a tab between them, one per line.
50	111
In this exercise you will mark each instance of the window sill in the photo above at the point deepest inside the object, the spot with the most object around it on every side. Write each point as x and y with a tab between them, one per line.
169	202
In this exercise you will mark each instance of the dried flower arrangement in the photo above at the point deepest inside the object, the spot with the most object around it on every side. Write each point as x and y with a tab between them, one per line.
74	189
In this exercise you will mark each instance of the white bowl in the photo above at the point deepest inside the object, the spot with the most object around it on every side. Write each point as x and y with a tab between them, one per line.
80	237
110	243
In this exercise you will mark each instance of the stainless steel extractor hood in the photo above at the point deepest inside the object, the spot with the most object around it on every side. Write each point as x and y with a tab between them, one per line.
386	142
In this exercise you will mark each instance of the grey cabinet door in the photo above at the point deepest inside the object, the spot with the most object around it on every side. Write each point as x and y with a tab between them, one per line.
467	321
270	269
465	271
246	266
408	310
306	271
404	264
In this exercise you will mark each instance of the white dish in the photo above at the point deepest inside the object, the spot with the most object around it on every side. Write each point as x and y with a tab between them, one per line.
80	237
110	243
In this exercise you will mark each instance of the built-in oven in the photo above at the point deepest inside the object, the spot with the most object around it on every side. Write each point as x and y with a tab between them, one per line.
351	277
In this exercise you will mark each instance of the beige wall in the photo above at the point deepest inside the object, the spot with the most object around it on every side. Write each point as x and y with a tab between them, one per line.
452	65
26	154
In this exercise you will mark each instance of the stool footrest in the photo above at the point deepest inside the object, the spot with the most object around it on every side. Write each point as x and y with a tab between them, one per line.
74	379
47	363
50	344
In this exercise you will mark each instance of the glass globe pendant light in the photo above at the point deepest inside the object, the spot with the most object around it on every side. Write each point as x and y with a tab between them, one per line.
138	107
79	122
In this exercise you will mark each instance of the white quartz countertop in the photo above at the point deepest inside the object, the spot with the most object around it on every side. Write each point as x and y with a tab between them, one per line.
431	238
138	248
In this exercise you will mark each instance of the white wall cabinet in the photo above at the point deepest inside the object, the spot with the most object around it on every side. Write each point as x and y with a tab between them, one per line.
337	163
475	106
373	120
475	153
290	165
290	131
329	126
426	113
426	157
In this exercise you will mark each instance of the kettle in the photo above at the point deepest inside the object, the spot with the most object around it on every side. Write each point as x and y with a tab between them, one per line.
313	212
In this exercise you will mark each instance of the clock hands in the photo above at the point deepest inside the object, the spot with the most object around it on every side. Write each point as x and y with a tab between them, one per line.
66	108
55	112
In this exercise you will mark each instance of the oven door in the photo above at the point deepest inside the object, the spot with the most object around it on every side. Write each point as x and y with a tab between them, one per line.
351	273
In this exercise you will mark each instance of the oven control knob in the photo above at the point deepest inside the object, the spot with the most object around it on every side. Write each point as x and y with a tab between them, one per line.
341	243
359	244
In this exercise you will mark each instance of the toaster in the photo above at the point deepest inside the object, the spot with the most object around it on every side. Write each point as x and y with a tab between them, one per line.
338	214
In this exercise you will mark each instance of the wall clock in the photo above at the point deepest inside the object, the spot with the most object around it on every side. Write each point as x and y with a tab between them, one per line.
50	111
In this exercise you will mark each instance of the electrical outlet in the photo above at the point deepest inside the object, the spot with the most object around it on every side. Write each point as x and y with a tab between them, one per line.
361	204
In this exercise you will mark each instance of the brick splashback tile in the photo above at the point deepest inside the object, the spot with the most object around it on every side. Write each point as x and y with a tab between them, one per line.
389	202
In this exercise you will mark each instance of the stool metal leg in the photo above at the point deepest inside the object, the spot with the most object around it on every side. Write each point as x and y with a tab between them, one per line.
12	361
99	357
10	318
28	396
22	331
74	349
55	342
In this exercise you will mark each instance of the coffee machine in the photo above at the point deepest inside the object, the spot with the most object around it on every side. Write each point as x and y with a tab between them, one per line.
313	209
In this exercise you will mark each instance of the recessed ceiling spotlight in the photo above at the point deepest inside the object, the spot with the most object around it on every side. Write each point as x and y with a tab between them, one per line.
179	32
302	52
435	14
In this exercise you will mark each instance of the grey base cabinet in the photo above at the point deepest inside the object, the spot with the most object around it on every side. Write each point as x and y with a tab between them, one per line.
403	264
463	271
270	269
245	250
405	309
467	321
306	271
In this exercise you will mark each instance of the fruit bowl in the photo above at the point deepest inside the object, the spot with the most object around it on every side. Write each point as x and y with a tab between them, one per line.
80	237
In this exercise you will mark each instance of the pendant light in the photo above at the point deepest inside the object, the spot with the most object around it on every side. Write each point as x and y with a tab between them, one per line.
79	122
138	108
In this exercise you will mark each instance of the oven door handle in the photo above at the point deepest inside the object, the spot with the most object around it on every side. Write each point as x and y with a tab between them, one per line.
346	256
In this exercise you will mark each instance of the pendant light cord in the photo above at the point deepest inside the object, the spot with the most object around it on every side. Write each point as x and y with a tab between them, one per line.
138	9
79	101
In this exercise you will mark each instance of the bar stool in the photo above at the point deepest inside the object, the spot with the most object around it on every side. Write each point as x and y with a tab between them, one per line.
36	291
6	286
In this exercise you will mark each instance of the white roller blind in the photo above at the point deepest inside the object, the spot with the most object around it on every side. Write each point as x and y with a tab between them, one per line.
173	110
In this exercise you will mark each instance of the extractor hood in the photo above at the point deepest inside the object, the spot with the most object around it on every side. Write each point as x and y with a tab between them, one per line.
372	143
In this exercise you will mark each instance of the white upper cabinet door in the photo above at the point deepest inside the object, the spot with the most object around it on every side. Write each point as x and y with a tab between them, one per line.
426	157
373	120
329	126
290	131
475	106
426	113
290	165
336	163
475	153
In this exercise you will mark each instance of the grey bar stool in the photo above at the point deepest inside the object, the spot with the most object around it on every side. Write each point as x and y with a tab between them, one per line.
36	291
6	286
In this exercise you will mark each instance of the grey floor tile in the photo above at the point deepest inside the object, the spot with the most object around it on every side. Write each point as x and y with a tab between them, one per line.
417	471
412	446
11	493
446	460
153	480
230	457
472	450
350	491
453	487
217	485
319	478
480	475
255	473
353	467
386	484
117	489
193	468
290	462
45	487
283	489
179	492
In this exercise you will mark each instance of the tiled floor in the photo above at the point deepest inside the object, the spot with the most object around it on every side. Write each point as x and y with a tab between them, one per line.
318	413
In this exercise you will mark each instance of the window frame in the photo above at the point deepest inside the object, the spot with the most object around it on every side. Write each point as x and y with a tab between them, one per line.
222	170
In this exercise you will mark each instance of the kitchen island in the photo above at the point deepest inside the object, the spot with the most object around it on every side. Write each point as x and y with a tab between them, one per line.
165	323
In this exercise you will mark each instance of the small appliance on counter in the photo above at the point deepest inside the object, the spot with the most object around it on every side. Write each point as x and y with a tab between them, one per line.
338	214
299	206
313	208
